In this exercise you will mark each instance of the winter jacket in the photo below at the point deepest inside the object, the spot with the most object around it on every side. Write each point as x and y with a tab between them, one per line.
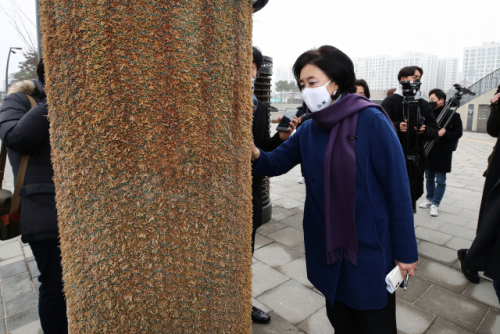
484	254
385	231
439	158
25	130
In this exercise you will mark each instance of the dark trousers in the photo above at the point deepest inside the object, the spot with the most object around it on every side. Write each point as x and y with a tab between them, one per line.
346	320
51	303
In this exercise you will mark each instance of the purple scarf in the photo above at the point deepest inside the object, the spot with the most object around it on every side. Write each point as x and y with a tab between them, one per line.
341	119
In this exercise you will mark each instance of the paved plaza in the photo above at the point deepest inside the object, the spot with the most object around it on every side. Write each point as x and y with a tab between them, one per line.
439	299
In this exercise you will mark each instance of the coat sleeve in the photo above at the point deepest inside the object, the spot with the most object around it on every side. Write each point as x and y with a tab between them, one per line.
389	165
493	126
268	143
22	129
388	107
431	127
457	131
281	160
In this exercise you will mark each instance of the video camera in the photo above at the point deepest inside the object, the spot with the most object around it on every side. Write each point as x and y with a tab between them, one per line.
411	113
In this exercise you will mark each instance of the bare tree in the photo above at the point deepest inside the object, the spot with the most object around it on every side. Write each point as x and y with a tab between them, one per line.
20	21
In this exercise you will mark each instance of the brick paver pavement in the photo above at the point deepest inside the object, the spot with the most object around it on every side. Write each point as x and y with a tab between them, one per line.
439	299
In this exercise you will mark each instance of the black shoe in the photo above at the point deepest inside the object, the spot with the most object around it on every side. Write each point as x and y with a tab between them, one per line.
260	316
472	276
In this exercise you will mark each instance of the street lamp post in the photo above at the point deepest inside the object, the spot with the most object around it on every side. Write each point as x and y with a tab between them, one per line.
11	50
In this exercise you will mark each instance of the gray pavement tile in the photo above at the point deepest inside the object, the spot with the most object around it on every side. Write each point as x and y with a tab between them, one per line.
297	270
428	222
455	184
10	250
472	225
265	278
33	269
270	227
470	214
451	209
28	253
36	285
416	287
458	231
284	183
277	189
2	328
452	307
457	243
483	293
288	236
260	306
437	253
21	304
443	276
442	326
5	242
453	219
298	196
294	221
260	241
412	319
279	213
13	269
298	210
276	255
22	318
277	325
298	187
300	248
432	236
469	204
293	301
447	200
288	203
491	323
16	286
31	328
317	323
2	314
275	197
454	190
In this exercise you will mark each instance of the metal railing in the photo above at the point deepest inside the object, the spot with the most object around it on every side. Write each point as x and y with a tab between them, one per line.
483	86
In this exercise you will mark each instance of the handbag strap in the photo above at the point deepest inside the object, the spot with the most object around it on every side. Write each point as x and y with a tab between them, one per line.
16	199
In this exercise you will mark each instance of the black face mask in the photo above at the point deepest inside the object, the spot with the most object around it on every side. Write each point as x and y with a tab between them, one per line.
433	105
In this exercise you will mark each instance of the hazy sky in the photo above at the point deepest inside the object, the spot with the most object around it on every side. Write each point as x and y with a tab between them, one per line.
286	28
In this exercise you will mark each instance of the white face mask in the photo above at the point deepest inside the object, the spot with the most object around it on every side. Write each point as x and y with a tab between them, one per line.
317	98
253	84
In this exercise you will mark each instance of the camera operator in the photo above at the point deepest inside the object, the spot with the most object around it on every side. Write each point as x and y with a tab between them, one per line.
393	105
440	156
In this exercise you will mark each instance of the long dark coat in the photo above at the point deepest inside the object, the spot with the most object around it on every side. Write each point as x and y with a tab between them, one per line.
484	254
25	130
439	158
393	105
263	140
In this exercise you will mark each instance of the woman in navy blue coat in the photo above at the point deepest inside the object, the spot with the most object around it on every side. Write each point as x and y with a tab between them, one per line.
358	216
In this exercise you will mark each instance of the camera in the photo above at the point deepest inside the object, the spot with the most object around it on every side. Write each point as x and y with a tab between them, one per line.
410	88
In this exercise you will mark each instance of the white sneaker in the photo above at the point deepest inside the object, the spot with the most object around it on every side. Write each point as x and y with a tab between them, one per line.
425	205
301	180
434	210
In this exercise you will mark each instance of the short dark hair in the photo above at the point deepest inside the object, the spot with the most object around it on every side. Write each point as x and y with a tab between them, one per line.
498	89
334	63
257	58
409	71
439	93
40	70
364	84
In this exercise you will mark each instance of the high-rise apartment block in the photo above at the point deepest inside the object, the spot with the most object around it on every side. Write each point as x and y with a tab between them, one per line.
447	73
479	61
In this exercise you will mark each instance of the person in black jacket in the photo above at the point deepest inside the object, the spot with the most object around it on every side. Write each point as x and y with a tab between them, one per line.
263	140
484	254
393	105
439	158
25	130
